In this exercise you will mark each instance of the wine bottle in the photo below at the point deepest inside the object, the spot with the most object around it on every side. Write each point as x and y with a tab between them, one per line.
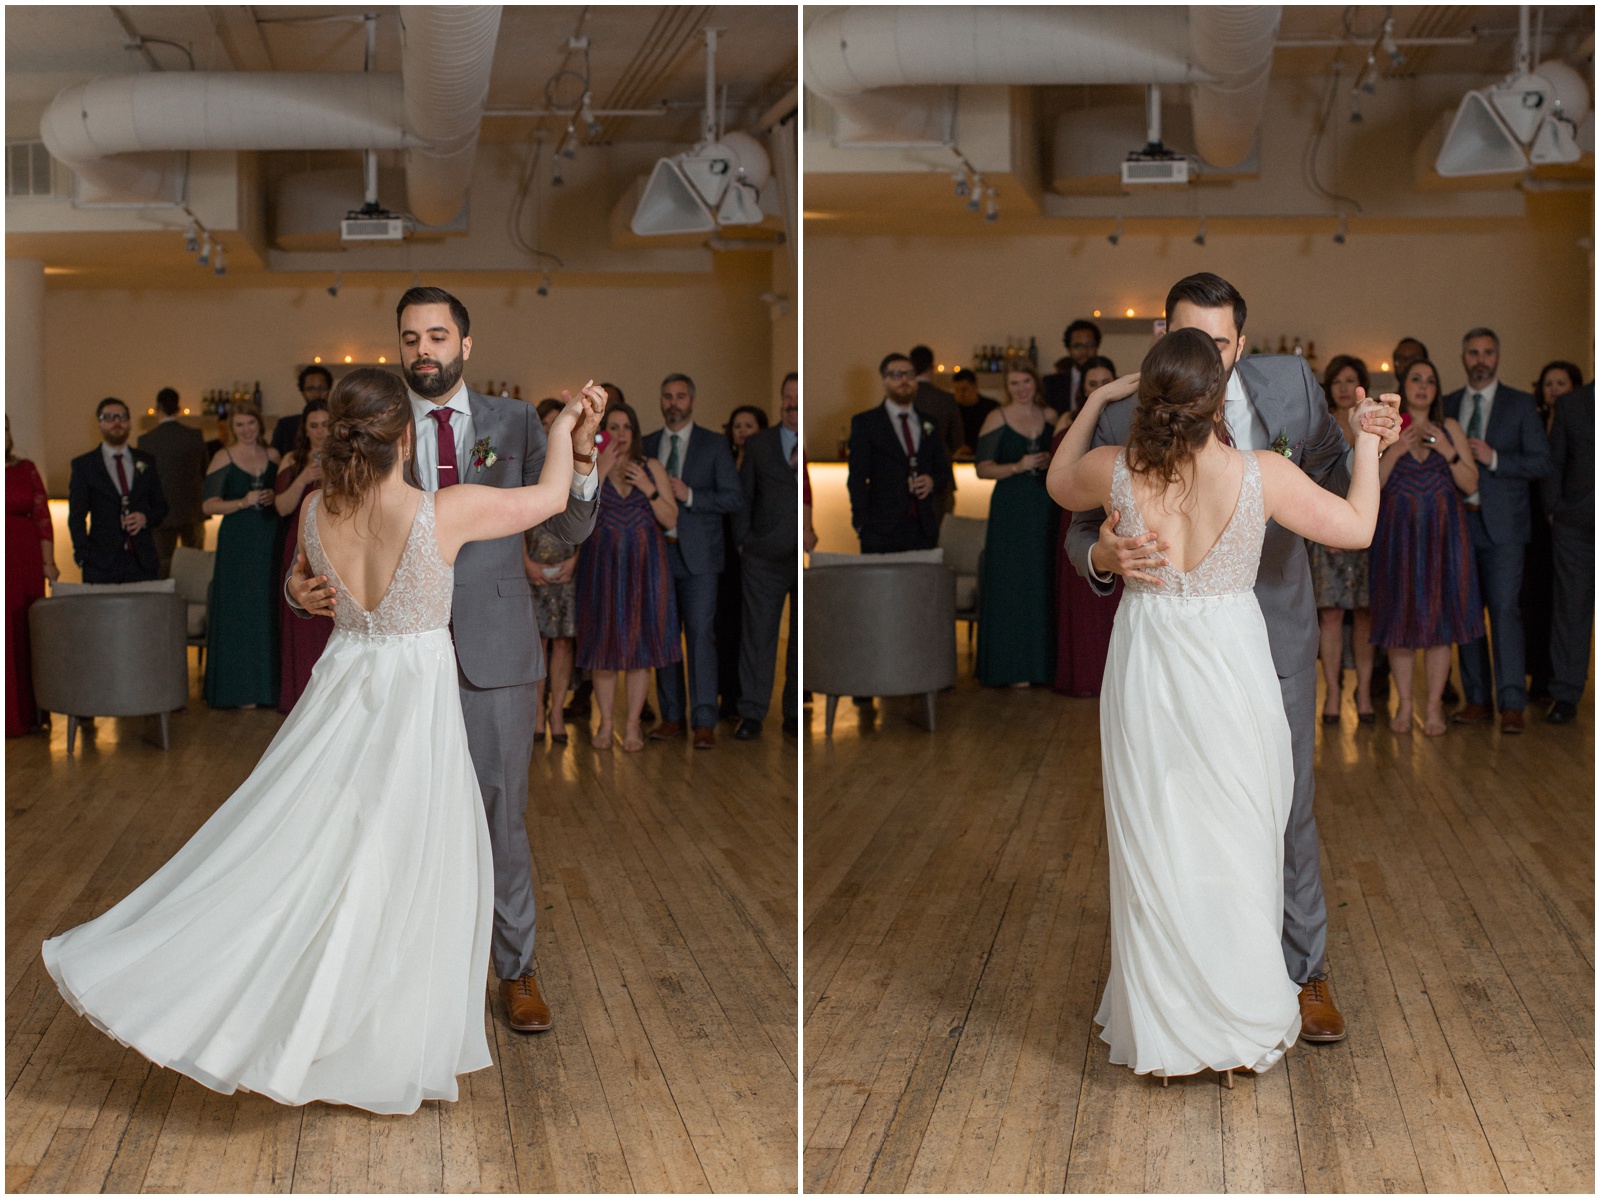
1033	353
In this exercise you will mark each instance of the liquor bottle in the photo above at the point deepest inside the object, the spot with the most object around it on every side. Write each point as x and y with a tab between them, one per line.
255	396
505	390
1283	344
1299	350
1033	353
516	391
1311	354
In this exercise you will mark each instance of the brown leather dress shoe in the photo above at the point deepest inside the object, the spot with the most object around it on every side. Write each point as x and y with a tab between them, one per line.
1320	1021
667	730
526	1008
1511	722
1473	714
705	738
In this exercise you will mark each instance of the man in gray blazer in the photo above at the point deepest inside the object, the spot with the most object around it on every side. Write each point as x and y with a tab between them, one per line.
1273	402
767	530
1569	499
706	483
1508	440
180	454
498	442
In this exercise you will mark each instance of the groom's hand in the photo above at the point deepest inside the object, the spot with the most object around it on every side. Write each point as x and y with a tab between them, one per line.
1130	557
314	594
1380	416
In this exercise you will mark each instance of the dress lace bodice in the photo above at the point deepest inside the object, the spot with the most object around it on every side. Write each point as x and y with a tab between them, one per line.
1233	562
418	600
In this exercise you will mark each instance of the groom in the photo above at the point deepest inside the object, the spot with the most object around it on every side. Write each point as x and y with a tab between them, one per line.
464	437
1272	402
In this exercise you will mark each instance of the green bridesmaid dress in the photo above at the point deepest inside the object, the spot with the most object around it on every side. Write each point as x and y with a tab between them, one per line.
241	661
1017	615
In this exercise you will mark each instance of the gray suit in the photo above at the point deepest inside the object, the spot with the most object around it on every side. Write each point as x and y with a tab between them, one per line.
767	530
499	659
1289	403
180	454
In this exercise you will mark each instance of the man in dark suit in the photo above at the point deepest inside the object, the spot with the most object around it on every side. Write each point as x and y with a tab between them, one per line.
939	404
1082	340
1569	499
1509	443
706	483
767	530
899	472
316	383
180	457
114	503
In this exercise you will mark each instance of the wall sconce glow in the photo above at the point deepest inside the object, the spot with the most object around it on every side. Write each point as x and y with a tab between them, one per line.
1130	312
382	360
1097	312
1383	366
186	412
318	360
150	412
348	359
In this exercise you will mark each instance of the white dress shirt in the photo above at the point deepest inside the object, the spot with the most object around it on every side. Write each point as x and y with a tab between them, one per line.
108	456
1488	394
788	440
682	438
913	419
584	487
1241	417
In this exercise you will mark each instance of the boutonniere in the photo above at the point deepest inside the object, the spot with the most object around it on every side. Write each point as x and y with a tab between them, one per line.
139	467
1282	446
927	427
483	455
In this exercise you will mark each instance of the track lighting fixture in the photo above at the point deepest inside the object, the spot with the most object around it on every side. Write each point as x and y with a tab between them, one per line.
1200	238
221	262
1344	230
1116	235
338	282
991	206
975	201
587	114
960	180
191	236
544	284
205	251
555	177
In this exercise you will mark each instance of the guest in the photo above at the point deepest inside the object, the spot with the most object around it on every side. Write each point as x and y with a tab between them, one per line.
702	480
180	457
974	408
1569	499
241	667
30	560
215	445
614	396
764	531
1083	618
937	403
114	504
300	641
1406	351
1537	599
1016	593
578	709
898	471
316	384
550	563
1424	583
747	420
1511	450
1339	577
627	613
1064	391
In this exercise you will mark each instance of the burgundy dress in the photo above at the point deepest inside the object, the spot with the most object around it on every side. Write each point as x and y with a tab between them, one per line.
303	640
1083	620
27	528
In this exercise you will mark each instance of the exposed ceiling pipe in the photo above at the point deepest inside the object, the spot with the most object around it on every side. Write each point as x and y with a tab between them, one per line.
1232	46
446	55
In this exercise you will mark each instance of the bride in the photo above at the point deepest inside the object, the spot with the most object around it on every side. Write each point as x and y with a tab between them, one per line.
1194	743
324	935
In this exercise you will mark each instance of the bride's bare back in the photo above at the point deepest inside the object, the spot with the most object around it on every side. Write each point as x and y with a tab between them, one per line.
1191	515
364	545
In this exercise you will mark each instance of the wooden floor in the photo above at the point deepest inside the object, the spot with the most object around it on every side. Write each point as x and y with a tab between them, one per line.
956	941
667	950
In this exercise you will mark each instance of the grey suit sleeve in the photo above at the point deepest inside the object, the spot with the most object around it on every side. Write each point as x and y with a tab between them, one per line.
1326	457
1084	530
575	522
1530	457
724	495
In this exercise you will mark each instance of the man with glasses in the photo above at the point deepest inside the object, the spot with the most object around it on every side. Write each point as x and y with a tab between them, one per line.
114	503
1082	340
316	383
899	472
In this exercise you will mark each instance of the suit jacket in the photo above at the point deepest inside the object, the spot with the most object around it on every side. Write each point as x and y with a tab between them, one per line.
497	639
285	431
1517	435
768	525
180	456
708	468
94	512
1288	401
880	471
1569	487
1061	389
946	413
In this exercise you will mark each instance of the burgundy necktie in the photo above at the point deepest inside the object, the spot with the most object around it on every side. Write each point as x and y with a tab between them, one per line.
122	485
447	448
905	432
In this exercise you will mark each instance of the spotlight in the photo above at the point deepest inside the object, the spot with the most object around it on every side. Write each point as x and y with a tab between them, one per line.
1390	47
1115	236
221	267
191	236
976	200
544	284
587	113
991	206
205	252
569	143
555	178
960	180
338	282
1200	238
1344	230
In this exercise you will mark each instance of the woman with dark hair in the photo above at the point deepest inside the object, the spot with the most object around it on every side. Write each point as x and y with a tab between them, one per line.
325	935
1424	582
550	562
1339	577
1196	762
744	423
241	657
1016	586
300	641
30	560
627	610
1083	619
1538	567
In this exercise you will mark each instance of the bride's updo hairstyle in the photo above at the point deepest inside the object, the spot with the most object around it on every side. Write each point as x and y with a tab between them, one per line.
370	414
1181	388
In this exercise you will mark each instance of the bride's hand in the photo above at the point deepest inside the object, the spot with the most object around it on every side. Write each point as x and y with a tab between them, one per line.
1117	389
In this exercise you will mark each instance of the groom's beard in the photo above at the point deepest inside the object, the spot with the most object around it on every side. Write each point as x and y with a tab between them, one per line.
440	382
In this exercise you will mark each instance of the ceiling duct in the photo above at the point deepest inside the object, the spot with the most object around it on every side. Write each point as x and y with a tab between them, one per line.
867	61
446	55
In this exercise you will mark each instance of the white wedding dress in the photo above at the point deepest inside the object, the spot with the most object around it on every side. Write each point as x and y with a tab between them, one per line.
1198	781
325	934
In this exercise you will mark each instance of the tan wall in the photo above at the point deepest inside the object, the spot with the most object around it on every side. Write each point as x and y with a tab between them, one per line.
1531	280
130	344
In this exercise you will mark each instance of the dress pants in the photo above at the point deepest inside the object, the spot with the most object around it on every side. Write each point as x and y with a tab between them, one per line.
1500	583
500	738
697	609
767	583
1572	629
1305	912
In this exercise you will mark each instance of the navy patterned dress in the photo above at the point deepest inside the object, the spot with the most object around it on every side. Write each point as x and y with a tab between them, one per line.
1423	579
627	612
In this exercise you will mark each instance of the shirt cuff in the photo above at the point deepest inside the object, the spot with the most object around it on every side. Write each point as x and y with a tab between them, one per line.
688	499
586	487
1494	461
1107	577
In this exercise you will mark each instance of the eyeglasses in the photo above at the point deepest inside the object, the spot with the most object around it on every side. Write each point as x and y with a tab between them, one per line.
107	418
902	374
